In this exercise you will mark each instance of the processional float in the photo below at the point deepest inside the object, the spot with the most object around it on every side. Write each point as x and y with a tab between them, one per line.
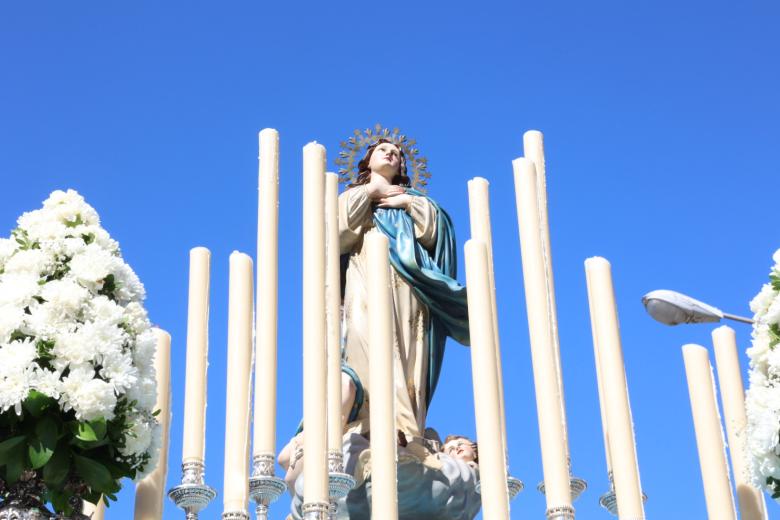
326	481
324	477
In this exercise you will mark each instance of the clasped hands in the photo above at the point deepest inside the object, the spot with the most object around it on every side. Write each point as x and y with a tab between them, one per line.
389	195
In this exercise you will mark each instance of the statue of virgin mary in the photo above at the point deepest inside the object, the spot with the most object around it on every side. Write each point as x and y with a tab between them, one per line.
428	303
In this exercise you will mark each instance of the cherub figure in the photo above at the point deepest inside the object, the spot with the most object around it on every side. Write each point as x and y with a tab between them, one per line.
462	448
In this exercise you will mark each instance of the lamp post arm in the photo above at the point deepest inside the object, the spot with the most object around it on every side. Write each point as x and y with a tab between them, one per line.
737	318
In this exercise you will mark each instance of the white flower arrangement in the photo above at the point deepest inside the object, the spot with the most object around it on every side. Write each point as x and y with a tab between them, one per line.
77	384
762	401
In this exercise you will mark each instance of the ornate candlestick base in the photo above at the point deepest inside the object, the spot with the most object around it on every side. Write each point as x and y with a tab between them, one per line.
315	511
513	487
192	495
576	484
560	513
609	501
264	487
235	515
340	483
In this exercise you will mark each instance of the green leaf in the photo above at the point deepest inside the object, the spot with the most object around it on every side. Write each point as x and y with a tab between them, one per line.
775	280
109	286
59	501
94	474
83	431
774	335
39	453
15	466
36	403
56	471
75	222
98	428
44	442
10	448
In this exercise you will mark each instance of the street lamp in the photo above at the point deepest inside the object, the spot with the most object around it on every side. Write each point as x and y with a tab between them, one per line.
673	308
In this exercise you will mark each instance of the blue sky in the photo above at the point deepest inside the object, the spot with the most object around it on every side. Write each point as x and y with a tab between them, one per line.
661	122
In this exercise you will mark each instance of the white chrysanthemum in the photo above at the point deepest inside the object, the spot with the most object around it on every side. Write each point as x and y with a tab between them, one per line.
41	225
118	369
136	319
144	392
102	310
139	437
88	343
772	315
63	249
102	238
33	261
91	266
153	450
66	295
16	356
7	248
11	319
89	397
776	258
16	360
46	382
14	388
145	348
102	343
129	286
762	400
69	206
18	290
763	299
46	320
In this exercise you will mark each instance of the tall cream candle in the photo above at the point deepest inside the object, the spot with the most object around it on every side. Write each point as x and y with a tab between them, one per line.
599	378
622	449
94	511
193	449
239	363
487	410
549	396
533	148
315	470
384	486
150	491
333	296
479	213
732	393
709	435
264	439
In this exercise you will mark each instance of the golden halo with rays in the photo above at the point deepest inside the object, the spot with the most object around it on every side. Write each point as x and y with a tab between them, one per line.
352	151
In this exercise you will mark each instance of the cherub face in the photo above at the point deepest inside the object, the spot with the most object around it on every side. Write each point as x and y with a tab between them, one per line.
462	449
385	157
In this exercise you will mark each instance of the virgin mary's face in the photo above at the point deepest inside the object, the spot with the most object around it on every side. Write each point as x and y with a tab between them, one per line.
386	159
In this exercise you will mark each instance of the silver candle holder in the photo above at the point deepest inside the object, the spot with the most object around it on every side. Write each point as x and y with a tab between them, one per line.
264	487
315	510
235	515
609	499
560	513
576	486
340	483
193	494
513	487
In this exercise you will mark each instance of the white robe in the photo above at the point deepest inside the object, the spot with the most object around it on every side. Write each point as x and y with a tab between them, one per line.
410	316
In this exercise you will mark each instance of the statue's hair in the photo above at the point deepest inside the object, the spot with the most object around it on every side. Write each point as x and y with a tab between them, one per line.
364	172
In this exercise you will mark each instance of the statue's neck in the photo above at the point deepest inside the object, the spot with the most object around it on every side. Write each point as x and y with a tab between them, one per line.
380	178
